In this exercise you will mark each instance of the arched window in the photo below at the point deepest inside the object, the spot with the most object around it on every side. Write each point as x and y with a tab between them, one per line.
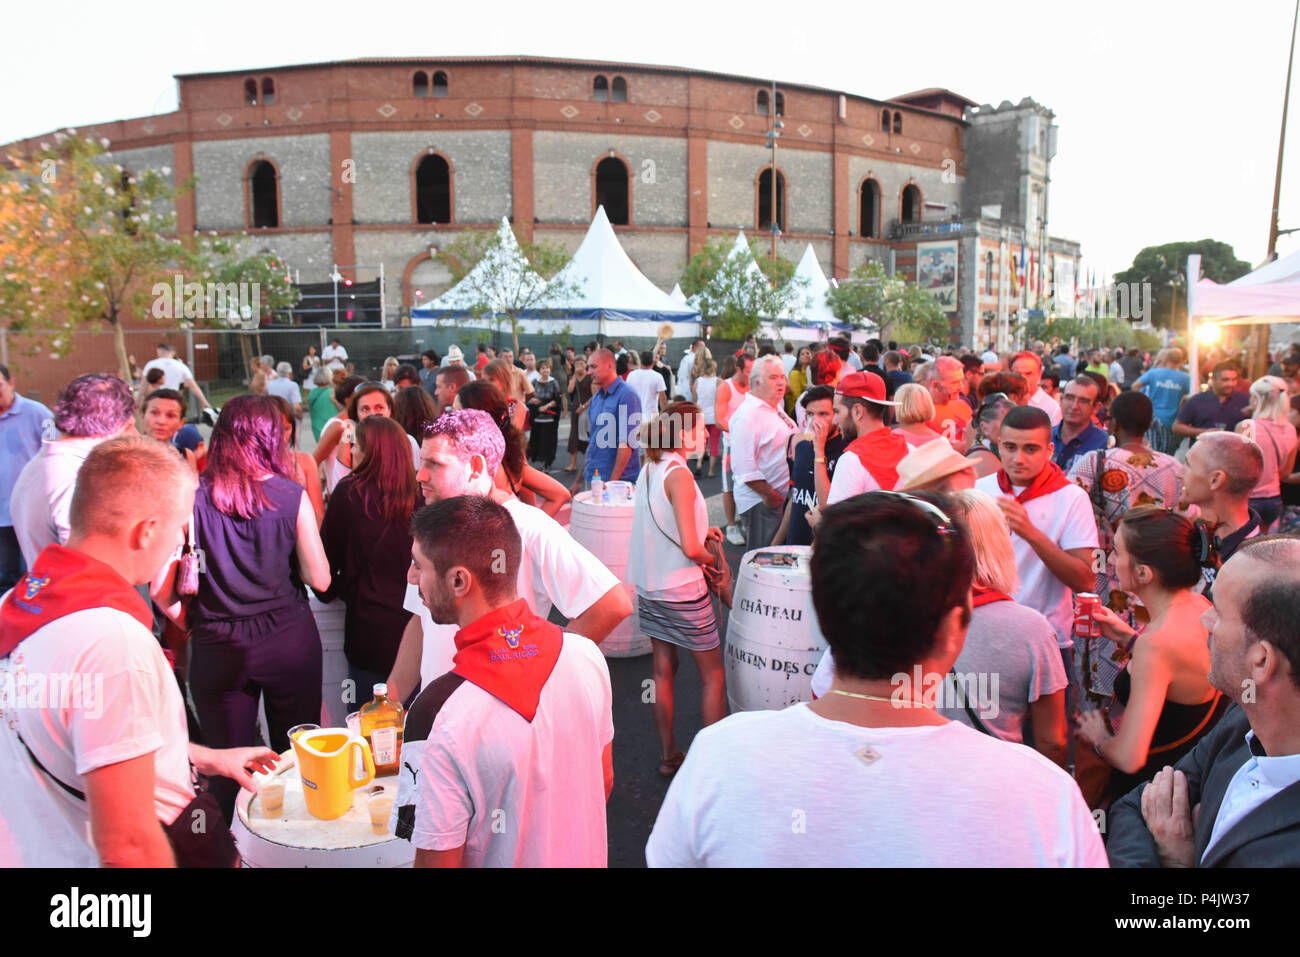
911	207
263	196
869	209
780	103
618	92
898	122
420	84
765	199
761	103
250	92
439	84
433	190
988	274
612	189
600	88
268	91
884	120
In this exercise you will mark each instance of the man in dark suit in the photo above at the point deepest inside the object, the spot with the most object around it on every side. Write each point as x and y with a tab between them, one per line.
1234	801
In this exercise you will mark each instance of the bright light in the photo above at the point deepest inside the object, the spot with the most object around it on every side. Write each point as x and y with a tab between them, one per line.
1208	333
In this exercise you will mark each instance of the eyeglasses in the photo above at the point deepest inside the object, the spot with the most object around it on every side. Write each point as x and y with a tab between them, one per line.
994	397
942	523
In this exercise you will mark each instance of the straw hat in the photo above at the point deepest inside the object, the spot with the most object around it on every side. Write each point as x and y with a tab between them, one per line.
928	463
454	354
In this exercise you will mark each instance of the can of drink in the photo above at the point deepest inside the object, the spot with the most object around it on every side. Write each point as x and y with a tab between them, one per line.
1085	621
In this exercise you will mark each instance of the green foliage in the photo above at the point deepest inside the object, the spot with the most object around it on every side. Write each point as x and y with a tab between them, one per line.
267	271
1163	266
1116	333
735	298
498	290
891	302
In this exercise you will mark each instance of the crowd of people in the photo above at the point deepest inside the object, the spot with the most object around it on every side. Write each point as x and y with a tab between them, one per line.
957	506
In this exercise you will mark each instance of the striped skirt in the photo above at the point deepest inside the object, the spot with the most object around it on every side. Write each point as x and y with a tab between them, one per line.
689	624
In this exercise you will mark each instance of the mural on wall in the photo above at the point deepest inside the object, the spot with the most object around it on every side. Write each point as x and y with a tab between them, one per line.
936	272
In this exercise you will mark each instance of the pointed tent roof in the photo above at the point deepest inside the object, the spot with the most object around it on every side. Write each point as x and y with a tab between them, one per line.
610	285
503	259
815	309
677	295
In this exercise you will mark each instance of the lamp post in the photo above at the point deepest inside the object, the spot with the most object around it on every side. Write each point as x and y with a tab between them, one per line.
336	278
771	136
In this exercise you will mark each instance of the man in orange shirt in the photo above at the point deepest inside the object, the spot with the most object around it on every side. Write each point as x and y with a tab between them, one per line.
946	380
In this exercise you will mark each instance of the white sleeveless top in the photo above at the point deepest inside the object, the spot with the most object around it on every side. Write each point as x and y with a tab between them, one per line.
706	397
656	564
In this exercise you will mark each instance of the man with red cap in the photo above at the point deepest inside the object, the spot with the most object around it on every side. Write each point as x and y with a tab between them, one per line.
870	463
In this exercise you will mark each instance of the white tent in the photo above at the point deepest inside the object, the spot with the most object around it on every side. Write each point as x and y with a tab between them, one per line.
814	309
677	295
613	292
1267	295
503	277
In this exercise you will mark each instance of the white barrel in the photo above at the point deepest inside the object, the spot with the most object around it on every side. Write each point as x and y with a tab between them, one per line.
606	531
296	839
334	666
773	639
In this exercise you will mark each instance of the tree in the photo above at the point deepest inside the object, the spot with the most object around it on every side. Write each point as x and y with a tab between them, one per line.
871	293
1164	266
488	279
733	295
84	241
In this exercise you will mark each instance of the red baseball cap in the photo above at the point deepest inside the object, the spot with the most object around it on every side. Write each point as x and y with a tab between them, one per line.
864	385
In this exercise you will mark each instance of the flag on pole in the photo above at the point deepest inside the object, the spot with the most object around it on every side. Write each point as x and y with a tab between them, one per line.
1015	279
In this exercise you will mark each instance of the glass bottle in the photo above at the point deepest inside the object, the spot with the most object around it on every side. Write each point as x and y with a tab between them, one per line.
381	726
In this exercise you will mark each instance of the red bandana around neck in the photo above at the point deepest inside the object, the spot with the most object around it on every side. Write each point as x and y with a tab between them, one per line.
986	596
63	581
880	451
509	653
1050	479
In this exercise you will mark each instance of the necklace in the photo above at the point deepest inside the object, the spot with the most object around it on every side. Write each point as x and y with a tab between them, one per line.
906	702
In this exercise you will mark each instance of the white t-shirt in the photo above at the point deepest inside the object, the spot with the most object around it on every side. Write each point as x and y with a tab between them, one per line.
121	702
334	357
758	437
684	369
788	360
706	392
1041	400
175	372
555	571
793	789
647	384
517	793
42	496
850	478
1065	517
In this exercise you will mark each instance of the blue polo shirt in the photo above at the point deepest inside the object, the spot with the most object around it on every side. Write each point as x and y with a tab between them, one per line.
615	413
1205	411
1166	388
22	426
1089	440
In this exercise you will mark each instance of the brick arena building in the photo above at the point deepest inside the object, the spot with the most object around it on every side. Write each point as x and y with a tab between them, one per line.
378	161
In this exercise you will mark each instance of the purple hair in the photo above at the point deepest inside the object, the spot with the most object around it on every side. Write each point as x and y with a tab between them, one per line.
247	442
94	406
472	432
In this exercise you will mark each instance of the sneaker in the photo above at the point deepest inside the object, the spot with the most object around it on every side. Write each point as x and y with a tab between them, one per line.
735	535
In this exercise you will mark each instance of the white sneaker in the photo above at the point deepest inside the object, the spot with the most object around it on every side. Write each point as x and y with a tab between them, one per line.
735	535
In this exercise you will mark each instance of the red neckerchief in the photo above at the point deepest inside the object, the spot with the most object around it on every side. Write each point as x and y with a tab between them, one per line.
880	451
509	653
1049	480
63	581
986	596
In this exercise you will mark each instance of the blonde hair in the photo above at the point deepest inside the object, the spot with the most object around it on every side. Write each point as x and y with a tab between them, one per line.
701	364
667	431
1271	399
990	538
914	404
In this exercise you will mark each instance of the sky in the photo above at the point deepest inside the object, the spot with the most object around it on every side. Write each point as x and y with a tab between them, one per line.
1169	112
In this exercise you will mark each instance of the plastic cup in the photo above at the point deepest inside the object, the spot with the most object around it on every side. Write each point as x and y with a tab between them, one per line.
270	796
298	729
354	723
380	806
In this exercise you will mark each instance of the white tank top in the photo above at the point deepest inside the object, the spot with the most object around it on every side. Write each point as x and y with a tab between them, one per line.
656	564
706	397
734	398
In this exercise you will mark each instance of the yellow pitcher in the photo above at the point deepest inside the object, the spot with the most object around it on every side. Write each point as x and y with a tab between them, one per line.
327	767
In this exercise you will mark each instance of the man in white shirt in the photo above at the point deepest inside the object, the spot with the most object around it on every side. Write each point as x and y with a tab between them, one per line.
788	358
98	765
507	757
870	775
1030	366
870	461
759	432
648	385
1115	373
461	453
176	374
1053	530
684	370
334	356
91	408
1243	778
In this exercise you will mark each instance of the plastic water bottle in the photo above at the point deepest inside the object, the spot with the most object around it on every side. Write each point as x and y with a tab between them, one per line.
597	488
